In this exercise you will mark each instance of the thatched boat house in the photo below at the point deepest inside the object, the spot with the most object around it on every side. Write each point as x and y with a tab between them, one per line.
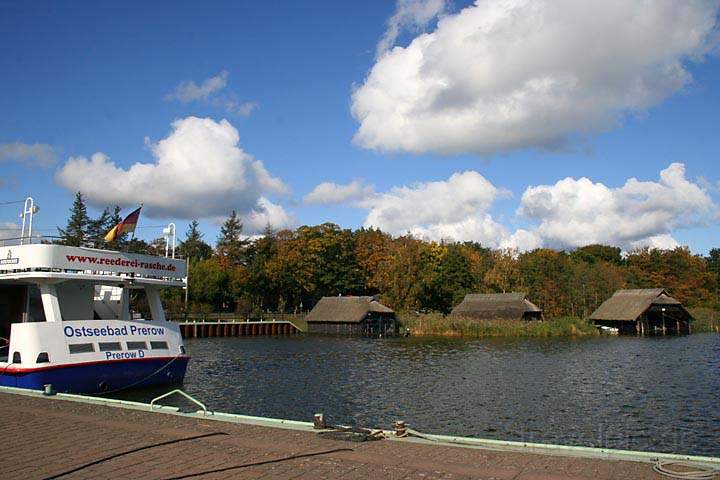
498	306
643	311
352	316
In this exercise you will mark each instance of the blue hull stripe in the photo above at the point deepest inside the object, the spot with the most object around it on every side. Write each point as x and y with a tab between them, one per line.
101	377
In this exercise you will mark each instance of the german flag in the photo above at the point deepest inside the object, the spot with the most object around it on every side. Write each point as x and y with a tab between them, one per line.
126	226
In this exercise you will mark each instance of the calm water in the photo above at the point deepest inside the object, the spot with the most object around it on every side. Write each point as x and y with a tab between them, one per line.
633	393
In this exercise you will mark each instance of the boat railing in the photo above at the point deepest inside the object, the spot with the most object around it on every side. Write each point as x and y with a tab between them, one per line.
167	251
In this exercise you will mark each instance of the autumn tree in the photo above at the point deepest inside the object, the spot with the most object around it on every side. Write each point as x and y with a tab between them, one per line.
713	261
546	274
504	275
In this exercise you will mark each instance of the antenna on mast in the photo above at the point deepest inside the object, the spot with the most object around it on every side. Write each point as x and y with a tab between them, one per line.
29	209
169	233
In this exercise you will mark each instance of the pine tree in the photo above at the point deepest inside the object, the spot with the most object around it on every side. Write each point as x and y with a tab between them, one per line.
193	247
231	246
76	232
122	240
98	228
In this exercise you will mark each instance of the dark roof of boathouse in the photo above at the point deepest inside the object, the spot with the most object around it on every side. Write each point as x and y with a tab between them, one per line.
496	306
628	305
346	309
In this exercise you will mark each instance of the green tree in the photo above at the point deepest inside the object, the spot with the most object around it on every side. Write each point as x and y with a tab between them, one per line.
75	234
97	228
231	246
208	284
121	240
595	253
193	247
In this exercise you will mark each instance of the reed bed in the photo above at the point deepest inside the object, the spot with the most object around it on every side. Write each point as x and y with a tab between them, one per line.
706	320
435	324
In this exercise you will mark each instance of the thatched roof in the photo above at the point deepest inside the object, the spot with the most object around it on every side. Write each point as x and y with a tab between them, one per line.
492	306
345	309
628	305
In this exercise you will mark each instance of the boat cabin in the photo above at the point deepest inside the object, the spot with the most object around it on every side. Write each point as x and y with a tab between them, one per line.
67	306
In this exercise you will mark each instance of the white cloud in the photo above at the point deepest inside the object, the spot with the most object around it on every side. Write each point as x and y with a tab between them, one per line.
409	14
9	230
243	109
209	92
39	154
190	91
503	75
265	214
199	171
521	241
573	212
456	209
328	193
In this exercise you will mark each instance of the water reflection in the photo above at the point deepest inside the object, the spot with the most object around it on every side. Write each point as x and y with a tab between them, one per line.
636	393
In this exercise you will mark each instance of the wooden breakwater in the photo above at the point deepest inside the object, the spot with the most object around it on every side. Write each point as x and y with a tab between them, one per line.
237	329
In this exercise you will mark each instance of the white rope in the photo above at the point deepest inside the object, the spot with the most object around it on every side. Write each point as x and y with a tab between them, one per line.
688	471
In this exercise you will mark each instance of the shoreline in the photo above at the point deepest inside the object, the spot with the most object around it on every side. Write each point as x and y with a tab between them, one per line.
439	325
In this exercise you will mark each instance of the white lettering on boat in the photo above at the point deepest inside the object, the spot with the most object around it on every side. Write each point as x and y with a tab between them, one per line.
107	331
124	355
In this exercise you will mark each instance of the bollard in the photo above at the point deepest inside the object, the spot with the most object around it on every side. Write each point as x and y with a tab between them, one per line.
400	429
48	389
319	421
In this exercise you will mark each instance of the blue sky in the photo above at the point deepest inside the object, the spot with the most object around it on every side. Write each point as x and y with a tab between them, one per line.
82	78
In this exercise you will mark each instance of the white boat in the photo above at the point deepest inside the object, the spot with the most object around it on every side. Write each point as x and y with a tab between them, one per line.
65	319
608	330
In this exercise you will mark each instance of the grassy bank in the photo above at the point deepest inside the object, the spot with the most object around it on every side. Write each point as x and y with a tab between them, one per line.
441	325
706	320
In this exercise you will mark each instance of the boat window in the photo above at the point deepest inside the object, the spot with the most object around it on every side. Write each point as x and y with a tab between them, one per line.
109	346
35	310
81	347
137	346
12	307
159	345
17	358
42	358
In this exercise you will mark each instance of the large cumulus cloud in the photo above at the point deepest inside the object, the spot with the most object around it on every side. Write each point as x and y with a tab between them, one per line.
503	75
199	171
568	214
576	212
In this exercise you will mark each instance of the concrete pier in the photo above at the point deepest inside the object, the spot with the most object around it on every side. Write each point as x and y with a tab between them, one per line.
74	438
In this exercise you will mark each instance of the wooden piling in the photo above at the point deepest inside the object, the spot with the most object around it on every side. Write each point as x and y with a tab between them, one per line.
236	329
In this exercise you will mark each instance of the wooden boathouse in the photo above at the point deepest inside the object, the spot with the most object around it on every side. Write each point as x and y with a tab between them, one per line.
643	312
364	316
497	306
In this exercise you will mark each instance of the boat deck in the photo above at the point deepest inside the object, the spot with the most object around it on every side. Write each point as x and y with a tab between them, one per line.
48	437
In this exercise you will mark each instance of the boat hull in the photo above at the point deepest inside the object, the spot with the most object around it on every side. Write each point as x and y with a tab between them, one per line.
100	377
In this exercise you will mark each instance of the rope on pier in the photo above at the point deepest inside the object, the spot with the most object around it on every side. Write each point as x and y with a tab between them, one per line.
688	471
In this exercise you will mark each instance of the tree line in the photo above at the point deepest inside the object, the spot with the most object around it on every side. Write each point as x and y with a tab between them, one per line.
290	270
